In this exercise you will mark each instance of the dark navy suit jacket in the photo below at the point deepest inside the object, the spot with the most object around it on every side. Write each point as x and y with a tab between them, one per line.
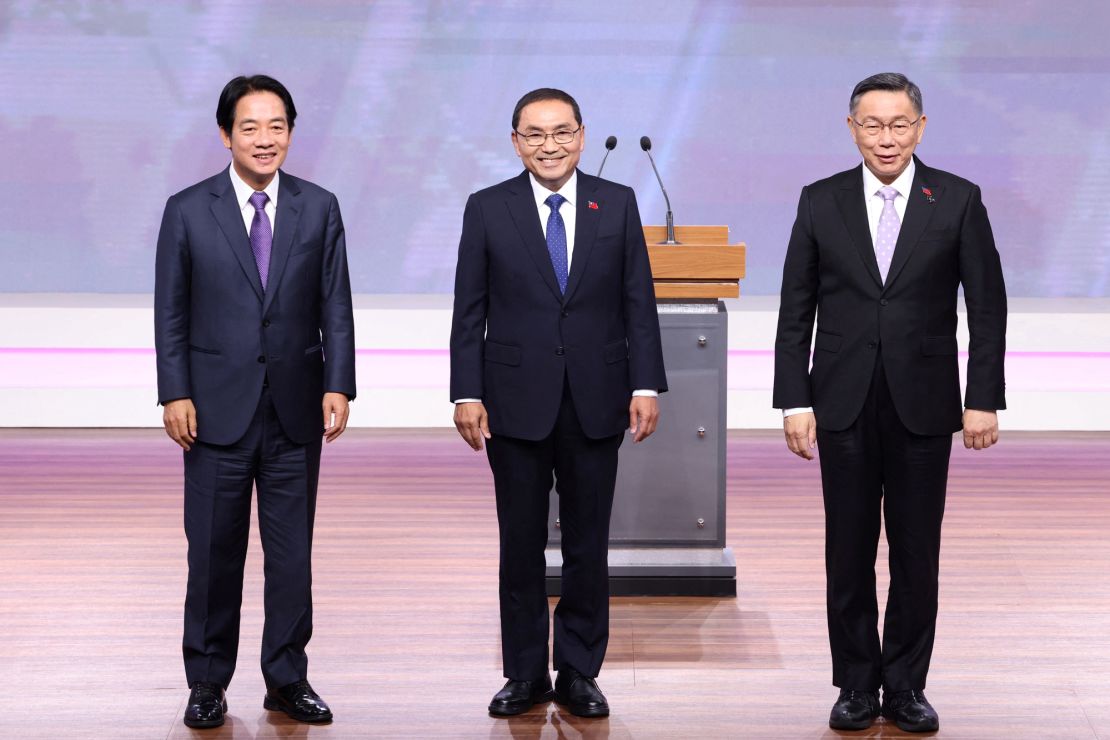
945	241
219	336
515	337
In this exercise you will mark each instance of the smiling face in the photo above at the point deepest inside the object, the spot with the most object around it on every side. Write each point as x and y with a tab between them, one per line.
259	138
885	153
551	163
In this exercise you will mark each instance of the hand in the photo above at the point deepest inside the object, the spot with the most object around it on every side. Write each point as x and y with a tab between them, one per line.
472	421
801	433
180	419
980	429
643	417
336	411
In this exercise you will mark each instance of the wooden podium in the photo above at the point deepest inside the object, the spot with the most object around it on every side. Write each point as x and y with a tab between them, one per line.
704	266
667	531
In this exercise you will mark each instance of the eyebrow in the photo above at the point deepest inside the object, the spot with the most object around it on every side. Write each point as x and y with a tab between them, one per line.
892	120
558	127
252	120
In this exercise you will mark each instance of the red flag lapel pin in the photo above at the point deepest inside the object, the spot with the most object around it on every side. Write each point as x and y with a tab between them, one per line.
592	205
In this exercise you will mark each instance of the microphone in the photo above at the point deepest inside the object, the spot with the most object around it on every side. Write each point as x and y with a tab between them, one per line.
610	145
645	144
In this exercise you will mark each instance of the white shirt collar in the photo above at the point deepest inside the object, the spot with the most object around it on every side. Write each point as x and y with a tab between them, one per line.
243	191
568	191
903	184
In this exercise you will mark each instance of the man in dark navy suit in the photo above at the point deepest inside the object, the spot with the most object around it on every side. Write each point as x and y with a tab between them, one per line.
555	351
255	344
878	255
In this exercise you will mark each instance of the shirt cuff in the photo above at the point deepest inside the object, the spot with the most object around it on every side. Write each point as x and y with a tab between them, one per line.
798	410
642	392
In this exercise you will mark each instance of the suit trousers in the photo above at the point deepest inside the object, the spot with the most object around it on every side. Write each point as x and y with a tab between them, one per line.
585	473
875	468
218	483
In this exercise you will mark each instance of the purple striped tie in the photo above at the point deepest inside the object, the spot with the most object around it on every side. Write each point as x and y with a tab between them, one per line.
262	237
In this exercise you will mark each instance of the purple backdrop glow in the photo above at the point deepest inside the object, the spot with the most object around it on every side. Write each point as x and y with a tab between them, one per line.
108	108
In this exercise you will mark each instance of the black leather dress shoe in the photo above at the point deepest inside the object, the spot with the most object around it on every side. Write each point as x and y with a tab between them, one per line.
854	710
299	701
580	694
207	705
911	711
516	697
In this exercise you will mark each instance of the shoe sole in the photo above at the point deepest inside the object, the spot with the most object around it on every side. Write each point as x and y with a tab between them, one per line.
580	712
499	711
916	729
863	725
912	728
273	706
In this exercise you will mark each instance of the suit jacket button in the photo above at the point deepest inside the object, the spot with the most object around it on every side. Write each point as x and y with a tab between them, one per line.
559	351
871	345
262	358
265	323
565	314
883	302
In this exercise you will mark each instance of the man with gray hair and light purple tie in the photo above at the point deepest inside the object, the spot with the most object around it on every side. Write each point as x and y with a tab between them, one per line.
877	257
254	335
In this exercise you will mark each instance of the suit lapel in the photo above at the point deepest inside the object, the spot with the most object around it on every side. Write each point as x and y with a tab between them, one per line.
286	216
919	210
585	229
853	209
229	217
522	208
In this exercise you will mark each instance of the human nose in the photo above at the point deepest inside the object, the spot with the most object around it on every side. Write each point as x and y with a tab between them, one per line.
886	136
549	143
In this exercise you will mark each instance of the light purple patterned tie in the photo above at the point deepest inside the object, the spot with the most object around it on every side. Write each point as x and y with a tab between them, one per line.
887	235
261	235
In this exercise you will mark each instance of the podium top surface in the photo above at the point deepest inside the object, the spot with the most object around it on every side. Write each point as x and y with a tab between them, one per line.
698	235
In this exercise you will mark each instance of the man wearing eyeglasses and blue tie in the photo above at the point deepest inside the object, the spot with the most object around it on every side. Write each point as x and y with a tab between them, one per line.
555	351
878	255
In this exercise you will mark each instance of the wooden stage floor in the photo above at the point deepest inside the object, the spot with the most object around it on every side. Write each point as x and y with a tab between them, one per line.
92	578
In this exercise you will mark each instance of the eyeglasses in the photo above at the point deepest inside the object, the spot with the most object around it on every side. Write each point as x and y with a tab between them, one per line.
872	129
537	139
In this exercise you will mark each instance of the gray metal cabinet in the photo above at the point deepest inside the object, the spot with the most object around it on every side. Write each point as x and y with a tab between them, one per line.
667	533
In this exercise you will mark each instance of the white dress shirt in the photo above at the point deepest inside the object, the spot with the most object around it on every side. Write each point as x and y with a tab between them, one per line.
568	211
243	193
874	203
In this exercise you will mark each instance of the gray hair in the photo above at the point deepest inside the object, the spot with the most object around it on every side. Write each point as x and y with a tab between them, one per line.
890	81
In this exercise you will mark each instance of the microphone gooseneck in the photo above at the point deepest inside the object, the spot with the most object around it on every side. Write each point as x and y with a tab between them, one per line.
645	144
610	145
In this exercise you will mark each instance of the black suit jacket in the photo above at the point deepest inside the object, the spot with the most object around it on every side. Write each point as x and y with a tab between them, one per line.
831	270
219	336
514	337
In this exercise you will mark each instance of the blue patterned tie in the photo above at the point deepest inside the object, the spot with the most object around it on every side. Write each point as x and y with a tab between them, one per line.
262	236
557	240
